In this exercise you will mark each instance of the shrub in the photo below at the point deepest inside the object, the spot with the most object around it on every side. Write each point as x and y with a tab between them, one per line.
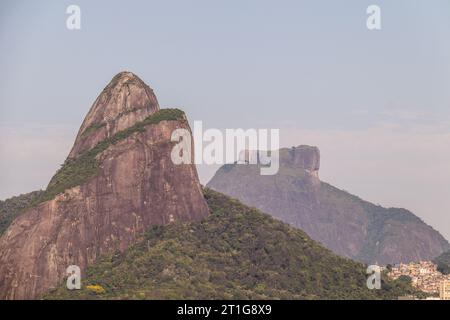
95	288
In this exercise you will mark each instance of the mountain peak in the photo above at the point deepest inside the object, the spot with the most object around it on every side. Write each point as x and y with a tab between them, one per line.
117	182
124	78
125	101
126	74
303	156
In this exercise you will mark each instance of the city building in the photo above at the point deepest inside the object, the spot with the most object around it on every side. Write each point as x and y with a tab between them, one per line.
424	276
444	290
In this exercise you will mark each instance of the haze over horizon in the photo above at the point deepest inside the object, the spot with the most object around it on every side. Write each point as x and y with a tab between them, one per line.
376	103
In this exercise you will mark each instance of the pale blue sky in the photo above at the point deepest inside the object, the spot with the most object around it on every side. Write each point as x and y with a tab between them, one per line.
376	103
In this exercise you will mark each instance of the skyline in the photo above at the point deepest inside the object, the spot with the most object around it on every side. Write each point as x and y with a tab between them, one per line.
376	103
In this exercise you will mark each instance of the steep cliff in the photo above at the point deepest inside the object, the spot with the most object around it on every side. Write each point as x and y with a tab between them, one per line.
125	101
344	223
117	181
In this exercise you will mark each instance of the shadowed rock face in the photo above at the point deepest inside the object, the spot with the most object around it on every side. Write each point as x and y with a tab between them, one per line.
137	186
344	223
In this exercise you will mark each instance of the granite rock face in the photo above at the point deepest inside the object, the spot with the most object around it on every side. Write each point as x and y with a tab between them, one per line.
125	101
344	223
303	157
136	186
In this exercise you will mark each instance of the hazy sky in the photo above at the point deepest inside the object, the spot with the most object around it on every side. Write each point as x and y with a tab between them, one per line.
376	103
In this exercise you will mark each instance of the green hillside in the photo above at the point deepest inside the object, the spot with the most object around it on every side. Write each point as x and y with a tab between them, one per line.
11	208
237	252
443	262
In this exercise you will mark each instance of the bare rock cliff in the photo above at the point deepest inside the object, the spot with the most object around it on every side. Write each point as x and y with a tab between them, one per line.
125	101
128	182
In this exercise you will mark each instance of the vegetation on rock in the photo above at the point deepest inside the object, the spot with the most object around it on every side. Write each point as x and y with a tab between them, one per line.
13	207
92	128
75	172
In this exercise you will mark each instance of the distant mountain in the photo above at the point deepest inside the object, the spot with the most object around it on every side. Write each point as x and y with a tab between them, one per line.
117	181
235	253
344	223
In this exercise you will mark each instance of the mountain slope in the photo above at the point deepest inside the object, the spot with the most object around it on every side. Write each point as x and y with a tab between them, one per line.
235	253
117	181
344	223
